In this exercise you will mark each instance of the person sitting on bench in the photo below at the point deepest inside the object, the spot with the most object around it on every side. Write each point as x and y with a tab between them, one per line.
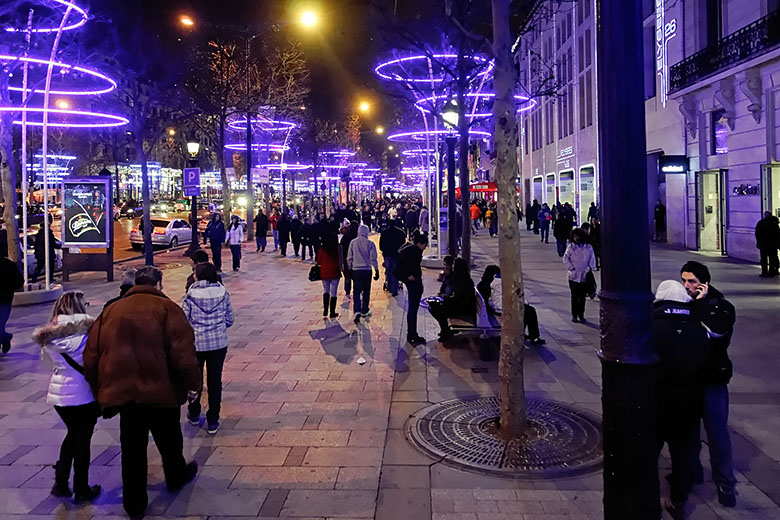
462	303
490	289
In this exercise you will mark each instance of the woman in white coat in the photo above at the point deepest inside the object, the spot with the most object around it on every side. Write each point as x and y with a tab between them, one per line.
579	261
62	340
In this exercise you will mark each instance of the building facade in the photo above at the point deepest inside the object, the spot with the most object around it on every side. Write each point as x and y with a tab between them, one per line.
712	89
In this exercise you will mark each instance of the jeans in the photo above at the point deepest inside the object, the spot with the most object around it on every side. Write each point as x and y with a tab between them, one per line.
296	246
578	296
415	292
716	418
135	423
493	227
331	287
75	449
531	321
276	239
475	225
560	243
392	281
235	250
216	256
362	296
545	234
5	313
261	241
214	361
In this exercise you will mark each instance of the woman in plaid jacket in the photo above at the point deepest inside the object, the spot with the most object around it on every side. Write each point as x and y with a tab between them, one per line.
209	311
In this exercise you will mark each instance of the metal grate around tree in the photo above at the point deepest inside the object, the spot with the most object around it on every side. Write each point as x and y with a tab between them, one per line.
561	440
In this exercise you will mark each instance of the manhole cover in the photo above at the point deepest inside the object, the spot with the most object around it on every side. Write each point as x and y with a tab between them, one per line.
563	440
169	265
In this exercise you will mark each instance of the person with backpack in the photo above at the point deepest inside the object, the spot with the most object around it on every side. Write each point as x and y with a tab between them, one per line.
409	271
62	341
545	218
209	310
390	241
215	232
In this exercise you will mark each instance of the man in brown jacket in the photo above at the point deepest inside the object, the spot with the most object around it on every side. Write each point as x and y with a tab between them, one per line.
140	361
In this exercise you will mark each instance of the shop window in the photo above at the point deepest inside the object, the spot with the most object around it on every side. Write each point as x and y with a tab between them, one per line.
720	132
589	96
583	101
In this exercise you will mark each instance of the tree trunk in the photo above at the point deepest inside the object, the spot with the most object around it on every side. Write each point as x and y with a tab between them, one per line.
463	161
510	364
145	196
8	171
226	193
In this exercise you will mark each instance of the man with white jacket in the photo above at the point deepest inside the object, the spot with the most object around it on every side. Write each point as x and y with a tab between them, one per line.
361	257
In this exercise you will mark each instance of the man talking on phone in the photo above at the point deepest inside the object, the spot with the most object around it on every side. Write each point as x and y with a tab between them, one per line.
717	314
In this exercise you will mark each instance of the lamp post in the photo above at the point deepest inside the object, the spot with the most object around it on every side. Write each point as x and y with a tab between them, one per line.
193	147
450	117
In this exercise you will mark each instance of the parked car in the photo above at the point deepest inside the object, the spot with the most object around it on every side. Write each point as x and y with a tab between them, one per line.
166	232
132	209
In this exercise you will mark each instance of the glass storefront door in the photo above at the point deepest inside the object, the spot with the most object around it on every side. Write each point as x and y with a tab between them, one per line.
710	210
566	187
771	188
587	191
551	194
538	190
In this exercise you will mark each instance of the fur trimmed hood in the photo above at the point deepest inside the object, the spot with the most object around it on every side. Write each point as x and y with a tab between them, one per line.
66	326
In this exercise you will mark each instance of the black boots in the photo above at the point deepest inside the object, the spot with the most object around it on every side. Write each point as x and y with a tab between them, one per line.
325	301
333	313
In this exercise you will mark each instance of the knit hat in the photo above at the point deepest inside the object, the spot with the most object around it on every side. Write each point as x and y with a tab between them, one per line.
673	291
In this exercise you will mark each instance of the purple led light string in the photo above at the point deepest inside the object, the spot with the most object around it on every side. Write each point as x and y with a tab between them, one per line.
69	6
526	103
381	71
419	135
64	68
268	125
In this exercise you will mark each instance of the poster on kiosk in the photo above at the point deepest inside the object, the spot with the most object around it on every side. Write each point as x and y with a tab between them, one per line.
86	203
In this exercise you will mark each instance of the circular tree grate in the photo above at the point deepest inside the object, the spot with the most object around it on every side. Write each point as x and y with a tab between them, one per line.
562	440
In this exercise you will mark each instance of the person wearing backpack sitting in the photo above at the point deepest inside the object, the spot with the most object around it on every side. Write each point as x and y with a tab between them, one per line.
461	303
492	292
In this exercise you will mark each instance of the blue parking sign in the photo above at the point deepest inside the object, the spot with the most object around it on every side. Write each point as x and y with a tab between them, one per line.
191	182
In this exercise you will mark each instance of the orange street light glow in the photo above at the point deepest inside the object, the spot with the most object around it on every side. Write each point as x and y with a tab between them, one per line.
364	106
309	18
62	104
186	20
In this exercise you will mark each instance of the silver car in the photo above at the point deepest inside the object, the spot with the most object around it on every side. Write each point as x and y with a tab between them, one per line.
167	232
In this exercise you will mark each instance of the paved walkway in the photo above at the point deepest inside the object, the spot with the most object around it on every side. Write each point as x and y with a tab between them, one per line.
308	432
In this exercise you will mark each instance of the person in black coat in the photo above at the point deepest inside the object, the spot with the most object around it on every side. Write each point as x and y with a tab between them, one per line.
561	230
11	280
684	351
261	229
412	220
409	271
462	301
532	215
283	228
295	233
40	252
216	233
305	235
391	240
767	242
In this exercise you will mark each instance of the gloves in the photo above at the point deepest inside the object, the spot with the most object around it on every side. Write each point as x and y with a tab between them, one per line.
376	275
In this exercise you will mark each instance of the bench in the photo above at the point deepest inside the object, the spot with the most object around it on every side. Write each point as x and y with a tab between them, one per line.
486	325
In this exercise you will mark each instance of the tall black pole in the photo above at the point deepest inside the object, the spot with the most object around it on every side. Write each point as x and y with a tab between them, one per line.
194	242
627	358
452	214
250	187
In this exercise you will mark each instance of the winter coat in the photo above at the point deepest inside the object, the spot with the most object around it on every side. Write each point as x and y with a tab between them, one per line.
391	240
67	386
424	220
261	224
545	217
768	234
141	350
475	212
209	311
330	264
295	229
304	234
216	232
274	220
283	230
361	255
579	259
563	226
11	280
718	316
123	290
235	235
412	220
409	264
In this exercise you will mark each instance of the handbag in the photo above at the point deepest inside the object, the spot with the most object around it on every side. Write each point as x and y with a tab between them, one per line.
590	285
314	273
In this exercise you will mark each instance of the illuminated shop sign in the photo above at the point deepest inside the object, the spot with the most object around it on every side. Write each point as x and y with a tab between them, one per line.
663	33
746	189
673	164
85	205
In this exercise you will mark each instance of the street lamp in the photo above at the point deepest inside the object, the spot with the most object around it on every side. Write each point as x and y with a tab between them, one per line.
364	106
309	19
186	20
380	130
193	148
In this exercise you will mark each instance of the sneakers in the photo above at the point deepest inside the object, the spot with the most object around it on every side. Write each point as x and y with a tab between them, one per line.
193	419
87	495
417	340
537	341
727	496
366	314
189	474
213	428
